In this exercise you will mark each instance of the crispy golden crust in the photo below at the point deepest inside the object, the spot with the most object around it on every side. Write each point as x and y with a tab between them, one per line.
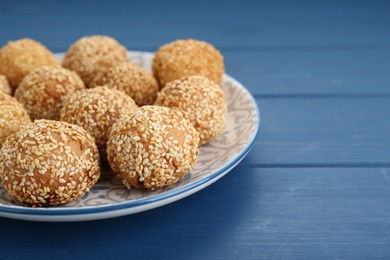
20	57
12	116
43	90
131	79
94	55
184	58
201	101
153	147
4	86
49	163
96	110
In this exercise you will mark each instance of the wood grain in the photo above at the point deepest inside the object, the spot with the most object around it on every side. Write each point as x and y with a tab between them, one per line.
250	213
145	25
322	131
316	183
346	72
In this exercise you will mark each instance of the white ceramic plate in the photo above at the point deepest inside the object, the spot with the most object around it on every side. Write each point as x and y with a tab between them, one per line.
110	198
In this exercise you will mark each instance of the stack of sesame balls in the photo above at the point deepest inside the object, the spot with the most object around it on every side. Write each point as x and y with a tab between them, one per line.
60	122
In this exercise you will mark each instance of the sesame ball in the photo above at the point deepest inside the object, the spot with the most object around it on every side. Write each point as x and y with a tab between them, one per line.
12	116
94	55
201	101
44	89
4	86
20	57
184	58
96	110
48	163
153	147
132	79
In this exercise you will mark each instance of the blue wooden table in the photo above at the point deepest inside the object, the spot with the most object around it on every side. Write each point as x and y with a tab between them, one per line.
317	181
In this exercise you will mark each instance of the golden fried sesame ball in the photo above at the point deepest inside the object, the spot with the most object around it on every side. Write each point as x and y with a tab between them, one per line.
135	81
49	163
153	147
4	86
183	58
96	110
12	116
20	57
201	101
44	89
94	55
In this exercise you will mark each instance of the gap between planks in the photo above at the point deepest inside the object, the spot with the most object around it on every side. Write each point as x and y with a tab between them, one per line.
265	48
324	95
321	165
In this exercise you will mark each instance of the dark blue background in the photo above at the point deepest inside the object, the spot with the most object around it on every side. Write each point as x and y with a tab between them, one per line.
317	182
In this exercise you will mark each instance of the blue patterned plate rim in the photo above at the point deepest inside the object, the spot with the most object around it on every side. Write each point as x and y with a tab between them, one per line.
52	211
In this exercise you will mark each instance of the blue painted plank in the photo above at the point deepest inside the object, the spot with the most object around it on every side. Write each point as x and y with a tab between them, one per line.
228	24
320	72
316	184
323	131
249	214
298	61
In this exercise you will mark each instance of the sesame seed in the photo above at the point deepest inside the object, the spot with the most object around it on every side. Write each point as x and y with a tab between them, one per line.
141	165
183	58
131	79
91	110
43	189
94	55
207	111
